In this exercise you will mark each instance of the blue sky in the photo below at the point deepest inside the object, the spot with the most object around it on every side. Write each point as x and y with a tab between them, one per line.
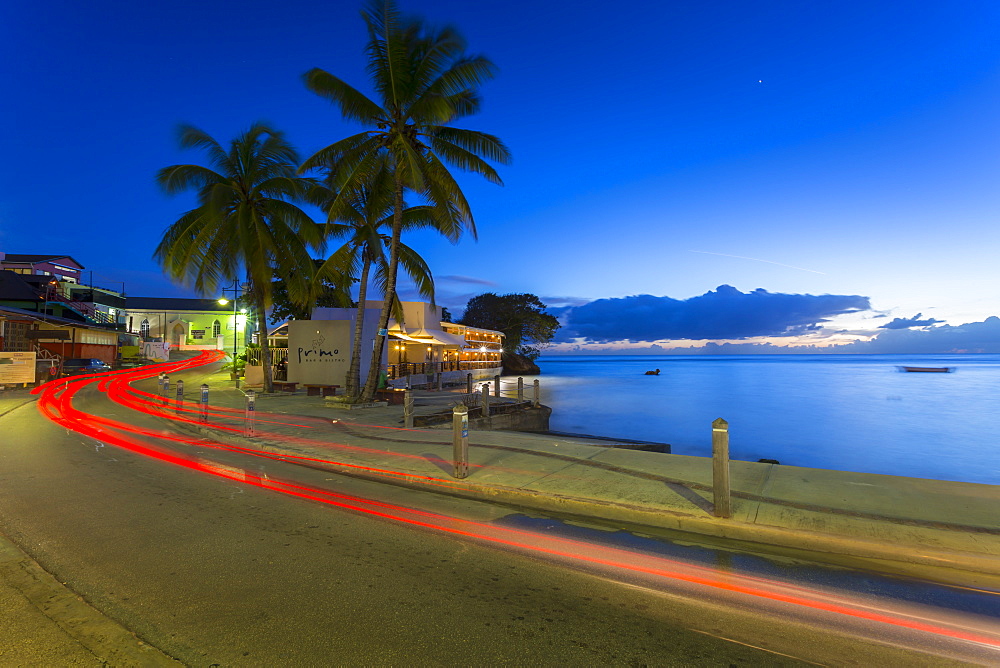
829	167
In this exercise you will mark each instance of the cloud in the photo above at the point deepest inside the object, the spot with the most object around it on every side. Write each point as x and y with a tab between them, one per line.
466	279
725	313
906	323
973	337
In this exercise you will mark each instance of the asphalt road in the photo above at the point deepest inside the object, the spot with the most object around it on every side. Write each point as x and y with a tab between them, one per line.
212	571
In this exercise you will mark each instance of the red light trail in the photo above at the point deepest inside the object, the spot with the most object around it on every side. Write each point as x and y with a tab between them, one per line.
55	402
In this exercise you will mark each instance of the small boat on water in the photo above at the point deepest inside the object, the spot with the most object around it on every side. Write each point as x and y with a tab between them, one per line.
927	369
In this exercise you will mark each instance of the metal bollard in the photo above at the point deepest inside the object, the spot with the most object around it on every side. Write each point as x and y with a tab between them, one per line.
496	386
248	426
538	395
486	399
180	395
408	409
204	402
460	440
468	383
720	469
520	389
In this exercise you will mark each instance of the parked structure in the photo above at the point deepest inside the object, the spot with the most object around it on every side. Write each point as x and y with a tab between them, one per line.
55	281
52	339
188	324
418	348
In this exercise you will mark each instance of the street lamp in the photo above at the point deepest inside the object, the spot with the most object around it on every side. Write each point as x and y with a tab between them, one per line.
223	301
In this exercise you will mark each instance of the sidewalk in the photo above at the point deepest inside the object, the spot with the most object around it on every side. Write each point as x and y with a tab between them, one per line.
936	529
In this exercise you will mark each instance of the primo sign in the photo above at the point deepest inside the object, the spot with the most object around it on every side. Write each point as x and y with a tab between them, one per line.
318	351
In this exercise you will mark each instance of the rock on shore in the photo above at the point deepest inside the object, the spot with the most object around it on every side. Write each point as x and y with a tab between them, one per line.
518	365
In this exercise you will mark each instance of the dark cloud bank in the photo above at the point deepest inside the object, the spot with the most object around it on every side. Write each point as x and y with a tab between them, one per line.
727	313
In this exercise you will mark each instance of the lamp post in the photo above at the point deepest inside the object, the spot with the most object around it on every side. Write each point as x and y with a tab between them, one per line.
223	301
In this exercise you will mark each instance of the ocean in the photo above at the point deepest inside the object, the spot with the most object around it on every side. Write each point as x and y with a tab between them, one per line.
841	412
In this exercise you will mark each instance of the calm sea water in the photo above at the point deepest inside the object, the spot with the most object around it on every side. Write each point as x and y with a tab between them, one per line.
843	412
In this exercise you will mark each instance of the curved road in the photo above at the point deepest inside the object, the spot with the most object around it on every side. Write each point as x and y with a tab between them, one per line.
213	571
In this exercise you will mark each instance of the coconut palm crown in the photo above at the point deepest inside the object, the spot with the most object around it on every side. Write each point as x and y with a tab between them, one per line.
423	81
361	218
246	222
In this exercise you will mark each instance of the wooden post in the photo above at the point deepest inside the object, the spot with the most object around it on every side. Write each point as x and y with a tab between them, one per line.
538	395
720	469
496	386
520	389
439	374
486	399
460	440
468	383
408	408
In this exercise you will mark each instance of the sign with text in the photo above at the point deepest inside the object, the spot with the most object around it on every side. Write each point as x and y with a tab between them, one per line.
17	367
319	351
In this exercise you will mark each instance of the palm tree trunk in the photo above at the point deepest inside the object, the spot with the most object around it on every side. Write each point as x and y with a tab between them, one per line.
354	373
265	348
390	291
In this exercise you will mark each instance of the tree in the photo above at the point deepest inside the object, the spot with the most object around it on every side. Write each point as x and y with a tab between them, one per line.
245	222
329	292
521	317
424	82
361	217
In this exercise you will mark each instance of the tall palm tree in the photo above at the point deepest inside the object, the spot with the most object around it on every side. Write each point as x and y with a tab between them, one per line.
245	223
364	215
424	81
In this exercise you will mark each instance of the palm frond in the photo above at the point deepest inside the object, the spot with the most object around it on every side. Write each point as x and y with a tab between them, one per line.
353	104
178	178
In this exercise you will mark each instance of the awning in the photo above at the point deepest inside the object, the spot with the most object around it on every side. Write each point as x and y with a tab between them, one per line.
435	337
396	334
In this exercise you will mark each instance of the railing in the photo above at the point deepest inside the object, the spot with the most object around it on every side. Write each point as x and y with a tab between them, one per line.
85	309
410	368
277	355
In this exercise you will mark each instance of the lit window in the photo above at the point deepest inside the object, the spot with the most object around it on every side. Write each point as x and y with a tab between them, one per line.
144	329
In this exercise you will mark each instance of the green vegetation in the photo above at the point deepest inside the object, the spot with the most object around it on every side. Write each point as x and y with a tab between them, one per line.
332	291
423	81
521	317
245	220
366	210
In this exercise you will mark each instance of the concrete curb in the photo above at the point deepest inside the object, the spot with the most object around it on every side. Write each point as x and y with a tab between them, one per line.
84	626
24	401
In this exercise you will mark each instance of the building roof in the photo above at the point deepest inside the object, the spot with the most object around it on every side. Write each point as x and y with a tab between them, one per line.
21	258
13	287
175	304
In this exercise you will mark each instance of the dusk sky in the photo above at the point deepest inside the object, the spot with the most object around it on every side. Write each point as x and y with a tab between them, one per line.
784	172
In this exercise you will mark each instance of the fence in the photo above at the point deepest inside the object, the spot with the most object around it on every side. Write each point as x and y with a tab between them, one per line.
277	355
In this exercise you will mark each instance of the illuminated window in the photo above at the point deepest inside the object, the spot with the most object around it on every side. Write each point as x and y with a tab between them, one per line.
216	328
144	328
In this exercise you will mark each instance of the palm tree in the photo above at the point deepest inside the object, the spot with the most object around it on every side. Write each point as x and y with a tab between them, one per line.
245	222
424	82
365	213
